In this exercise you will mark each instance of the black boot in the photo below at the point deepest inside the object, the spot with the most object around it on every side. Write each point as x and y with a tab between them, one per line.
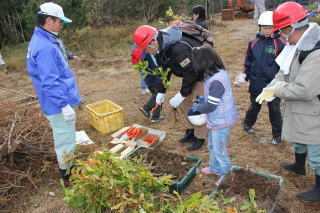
297	167
196	144
313	194
65	177
188	136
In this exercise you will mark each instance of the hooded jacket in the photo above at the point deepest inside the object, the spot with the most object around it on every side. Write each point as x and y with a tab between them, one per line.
175	53
300	89
260	65
51	75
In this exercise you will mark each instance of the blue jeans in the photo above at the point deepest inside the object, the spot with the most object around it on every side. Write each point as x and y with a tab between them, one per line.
219	161
313	153
64	136
143	84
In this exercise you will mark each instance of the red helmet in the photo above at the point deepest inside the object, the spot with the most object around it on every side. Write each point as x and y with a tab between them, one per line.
144	35
177	22
287	14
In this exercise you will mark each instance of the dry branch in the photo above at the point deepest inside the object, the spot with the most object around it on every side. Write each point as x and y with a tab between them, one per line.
25	144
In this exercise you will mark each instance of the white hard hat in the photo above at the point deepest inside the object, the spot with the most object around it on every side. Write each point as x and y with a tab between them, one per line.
198	120
52	9
266	18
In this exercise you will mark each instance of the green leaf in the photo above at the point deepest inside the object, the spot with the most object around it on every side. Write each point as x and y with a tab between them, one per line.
229	200
246	204
252	194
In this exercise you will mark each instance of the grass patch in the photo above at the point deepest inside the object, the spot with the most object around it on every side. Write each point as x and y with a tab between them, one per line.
15	57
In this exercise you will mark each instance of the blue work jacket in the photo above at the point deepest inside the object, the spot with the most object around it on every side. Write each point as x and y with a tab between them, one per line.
51	75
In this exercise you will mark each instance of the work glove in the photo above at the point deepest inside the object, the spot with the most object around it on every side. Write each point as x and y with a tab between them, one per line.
160	98
240	79
68	113
267	94
176	100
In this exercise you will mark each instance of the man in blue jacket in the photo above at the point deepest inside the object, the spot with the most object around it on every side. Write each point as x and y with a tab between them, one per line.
53	80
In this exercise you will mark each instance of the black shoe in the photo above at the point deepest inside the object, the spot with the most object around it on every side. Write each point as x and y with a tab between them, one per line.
276	140
196	144
297	167
313	194
188	136
145	112
65	176
247	128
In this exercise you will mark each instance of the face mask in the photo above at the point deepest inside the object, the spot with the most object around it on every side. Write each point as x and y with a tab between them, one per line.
55	33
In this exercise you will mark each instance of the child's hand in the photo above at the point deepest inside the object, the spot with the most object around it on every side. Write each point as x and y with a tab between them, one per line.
240	79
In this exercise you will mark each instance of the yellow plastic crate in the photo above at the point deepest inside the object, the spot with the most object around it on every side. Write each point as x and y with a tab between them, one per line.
105	116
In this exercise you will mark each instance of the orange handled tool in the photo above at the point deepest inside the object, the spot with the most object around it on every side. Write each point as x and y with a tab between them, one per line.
153	110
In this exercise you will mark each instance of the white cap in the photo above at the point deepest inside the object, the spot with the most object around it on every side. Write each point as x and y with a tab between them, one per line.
55	10
266	18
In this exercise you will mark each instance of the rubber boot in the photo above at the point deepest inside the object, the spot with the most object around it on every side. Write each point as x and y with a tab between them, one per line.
313	194
188	136
196	144
297	167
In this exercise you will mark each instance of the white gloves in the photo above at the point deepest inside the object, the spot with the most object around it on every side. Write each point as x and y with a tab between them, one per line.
240	79
176	100
160	98
268	95
68	113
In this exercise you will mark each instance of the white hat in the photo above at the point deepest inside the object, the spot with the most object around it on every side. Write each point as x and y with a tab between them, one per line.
266	18
198	120
55	10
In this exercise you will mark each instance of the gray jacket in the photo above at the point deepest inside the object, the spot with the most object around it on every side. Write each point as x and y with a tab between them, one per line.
300	89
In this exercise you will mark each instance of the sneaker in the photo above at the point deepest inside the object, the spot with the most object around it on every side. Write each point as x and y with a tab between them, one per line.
145	91
145	112
207	171
276	140
247	128
161	117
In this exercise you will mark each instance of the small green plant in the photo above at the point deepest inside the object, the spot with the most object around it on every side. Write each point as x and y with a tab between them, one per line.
225	200
170	14
160	72
102	182
251	207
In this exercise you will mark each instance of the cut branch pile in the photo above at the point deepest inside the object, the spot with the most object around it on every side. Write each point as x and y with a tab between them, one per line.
26	145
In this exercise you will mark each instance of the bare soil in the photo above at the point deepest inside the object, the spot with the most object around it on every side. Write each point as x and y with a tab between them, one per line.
200	183
165	163
114	79
238	183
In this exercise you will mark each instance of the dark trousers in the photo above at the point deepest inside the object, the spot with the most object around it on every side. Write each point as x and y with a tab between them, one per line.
151	103
274	114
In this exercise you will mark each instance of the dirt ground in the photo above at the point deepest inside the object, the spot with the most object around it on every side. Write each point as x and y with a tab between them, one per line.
114	79
166	163
238	183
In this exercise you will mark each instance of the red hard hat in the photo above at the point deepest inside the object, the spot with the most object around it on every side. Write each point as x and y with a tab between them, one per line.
177	22
287	14
144	35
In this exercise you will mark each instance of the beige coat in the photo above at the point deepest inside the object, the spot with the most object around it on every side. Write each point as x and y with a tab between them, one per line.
299	89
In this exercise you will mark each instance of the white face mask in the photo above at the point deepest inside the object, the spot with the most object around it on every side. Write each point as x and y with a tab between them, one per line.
55	33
